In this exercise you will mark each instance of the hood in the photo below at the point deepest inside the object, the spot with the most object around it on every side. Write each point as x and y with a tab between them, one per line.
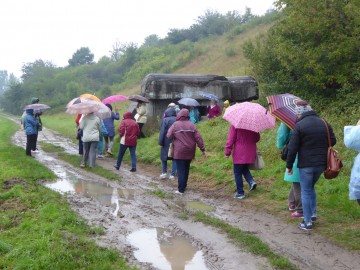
29	111
109	106
183	115
35	100
127	115
306	114
170	112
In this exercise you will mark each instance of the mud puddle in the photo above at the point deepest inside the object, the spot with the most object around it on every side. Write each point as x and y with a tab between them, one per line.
164	251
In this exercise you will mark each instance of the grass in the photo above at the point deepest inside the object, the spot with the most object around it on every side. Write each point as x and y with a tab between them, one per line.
246	241
161	194
38	230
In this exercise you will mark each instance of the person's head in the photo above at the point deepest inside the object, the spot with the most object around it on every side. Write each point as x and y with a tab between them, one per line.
35	100
109	106
170	112
183	115
226	103
127	115
172	105
301	106
139	103
213	102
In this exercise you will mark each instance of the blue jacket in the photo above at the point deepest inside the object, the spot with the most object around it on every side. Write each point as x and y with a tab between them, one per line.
31	123
167	122
283	137
109	124
352	141
194	115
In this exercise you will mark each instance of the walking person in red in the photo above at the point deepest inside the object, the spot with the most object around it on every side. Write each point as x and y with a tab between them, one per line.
129	132
185	137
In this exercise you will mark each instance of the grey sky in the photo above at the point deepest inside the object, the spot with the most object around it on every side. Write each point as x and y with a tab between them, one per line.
54	29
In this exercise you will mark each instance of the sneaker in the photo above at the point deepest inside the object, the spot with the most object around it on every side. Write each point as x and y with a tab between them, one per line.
292	207
239	196
109	152
163	176
171	177
305	226
116	167
100	156
133	170
35	151
313	218
82	165
252	186
297	215
179	193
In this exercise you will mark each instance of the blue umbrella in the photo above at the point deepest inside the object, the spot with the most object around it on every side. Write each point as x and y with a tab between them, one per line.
209	96
189	102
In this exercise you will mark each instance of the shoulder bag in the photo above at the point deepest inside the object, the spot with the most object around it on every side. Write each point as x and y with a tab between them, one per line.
259	162
334	163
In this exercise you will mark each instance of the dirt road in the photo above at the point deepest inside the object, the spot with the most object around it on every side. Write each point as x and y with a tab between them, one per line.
143	226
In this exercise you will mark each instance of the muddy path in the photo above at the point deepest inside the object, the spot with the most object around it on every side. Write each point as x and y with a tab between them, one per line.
143	226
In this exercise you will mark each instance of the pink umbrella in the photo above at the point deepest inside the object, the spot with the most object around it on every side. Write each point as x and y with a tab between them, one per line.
250	116
114	98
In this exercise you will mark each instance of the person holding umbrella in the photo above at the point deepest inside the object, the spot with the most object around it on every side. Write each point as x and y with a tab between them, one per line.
141	116
31	129
110	128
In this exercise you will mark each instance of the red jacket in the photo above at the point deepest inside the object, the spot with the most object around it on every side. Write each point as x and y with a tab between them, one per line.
214	111
128	130
185	137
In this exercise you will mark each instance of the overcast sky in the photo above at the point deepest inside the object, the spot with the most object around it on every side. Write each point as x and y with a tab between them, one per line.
54	29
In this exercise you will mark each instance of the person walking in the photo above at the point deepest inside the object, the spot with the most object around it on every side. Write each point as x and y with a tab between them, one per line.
310	143
241	143
129	132
294	198
164	142
101	140
214	110
141	117
194	115
352	141
185	137
91	127
110	128
31	130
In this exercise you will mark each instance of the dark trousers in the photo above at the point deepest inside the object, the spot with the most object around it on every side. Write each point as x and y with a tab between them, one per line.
81	147
239	171
34	144
30	143
183	168
121	154
141	135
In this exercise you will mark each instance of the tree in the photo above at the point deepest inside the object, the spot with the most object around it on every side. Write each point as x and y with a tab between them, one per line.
312	49
82	56
4	81
119	49
151	41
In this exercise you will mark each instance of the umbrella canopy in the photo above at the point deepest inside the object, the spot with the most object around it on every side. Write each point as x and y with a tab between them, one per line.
283	108
137	98
250	116
189	102
90	106
37	107
209	96
93	97
114	98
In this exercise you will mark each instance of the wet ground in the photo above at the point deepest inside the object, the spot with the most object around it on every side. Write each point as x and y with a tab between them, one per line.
153	234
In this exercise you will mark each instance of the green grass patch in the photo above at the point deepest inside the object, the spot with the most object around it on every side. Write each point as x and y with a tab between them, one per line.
38	230
160	194
51	148
247	241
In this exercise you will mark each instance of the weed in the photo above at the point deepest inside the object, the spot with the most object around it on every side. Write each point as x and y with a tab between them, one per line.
161	194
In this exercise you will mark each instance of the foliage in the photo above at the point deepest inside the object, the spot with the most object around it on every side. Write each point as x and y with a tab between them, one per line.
82	56
38	230
312	50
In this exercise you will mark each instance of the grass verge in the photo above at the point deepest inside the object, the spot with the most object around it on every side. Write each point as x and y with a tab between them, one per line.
246	241
38	230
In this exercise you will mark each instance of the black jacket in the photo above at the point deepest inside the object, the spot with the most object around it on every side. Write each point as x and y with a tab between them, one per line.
310	140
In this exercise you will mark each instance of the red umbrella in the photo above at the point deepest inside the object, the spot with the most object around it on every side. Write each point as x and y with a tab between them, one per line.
114	98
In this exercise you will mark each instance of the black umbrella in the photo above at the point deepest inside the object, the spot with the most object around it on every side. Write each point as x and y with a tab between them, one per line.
137	98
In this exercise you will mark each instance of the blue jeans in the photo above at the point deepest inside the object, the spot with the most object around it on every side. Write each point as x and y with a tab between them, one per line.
239	171
308	178
183	168
165	166
121	154
100	145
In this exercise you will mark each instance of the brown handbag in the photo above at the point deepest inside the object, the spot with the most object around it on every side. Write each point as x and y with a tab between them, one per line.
334	163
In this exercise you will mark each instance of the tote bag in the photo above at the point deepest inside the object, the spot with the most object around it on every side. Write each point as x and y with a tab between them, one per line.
259	162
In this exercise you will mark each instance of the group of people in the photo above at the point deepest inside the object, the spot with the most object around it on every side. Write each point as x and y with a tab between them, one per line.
306	159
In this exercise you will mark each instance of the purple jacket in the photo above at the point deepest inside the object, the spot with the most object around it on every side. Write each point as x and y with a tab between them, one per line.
214	112
242	144
185	136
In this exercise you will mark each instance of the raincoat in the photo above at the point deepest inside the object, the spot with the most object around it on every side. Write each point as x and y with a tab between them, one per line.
283	137
167	122
352	141
91	126
30	123
242	144
141	114
109	124
194	115
185	136
128	130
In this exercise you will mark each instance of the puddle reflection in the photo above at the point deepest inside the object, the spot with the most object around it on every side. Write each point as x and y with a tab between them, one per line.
158	247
